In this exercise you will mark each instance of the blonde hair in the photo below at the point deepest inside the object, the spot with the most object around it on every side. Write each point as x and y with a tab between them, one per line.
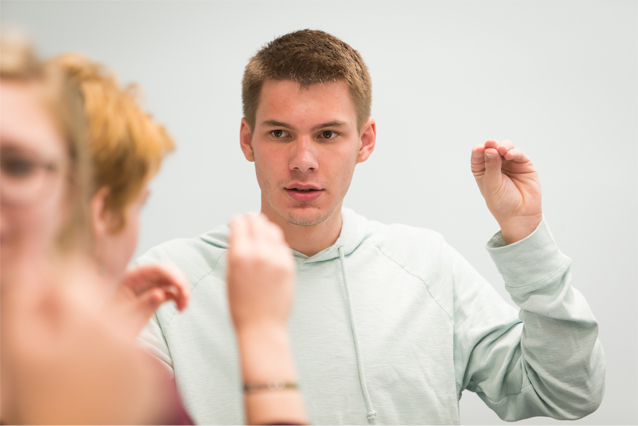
18	63
127	146
307	57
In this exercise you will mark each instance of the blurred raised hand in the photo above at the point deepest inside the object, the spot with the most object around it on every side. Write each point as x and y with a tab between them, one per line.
511	187
260	274
260	279
144	289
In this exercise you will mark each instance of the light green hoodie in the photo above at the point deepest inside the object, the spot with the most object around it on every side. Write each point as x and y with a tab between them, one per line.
390	325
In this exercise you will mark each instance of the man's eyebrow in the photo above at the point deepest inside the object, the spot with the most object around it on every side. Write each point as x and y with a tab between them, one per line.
329	124
275	123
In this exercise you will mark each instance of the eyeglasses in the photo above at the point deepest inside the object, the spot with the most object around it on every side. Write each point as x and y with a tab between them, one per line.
24	177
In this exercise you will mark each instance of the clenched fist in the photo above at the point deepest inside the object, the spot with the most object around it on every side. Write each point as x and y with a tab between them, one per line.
511	188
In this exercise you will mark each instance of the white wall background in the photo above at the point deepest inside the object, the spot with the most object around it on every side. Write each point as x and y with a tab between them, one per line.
559	78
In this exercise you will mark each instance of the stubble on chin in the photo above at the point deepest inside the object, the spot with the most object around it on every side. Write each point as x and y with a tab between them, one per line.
302	220
298	218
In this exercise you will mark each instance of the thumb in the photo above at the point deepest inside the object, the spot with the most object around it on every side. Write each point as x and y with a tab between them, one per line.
493	177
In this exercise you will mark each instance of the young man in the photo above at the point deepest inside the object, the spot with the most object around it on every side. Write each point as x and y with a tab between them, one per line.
390	324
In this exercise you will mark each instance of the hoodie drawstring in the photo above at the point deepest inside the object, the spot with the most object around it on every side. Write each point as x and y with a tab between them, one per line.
362	378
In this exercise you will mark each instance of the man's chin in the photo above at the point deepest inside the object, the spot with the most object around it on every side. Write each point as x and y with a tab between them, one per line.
306	217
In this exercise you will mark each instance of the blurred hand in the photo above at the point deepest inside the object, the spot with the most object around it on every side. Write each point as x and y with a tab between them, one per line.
260	274
260	278
143	289
511	187
64	362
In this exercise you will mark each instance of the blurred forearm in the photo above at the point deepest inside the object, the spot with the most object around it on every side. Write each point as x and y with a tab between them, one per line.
266	357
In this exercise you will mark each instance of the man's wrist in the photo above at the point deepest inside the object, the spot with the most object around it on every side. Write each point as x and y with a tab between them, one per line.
519	228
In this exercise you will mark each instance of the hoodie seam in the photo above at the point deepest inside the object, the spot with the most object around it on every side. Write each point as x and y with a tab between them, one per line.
170	320
427	286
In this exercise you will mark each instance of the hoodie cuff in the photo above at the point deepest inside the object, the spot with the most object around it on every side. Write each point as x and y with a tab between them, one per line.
531	261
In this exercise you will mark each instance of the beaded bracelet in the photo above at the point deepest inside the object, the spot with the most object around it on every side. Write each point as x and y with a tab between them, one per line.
271	385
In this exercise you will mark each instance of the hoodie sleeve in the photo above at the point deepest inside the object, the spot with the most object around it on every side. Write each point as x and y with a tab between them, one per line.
151	338
153	341
545	361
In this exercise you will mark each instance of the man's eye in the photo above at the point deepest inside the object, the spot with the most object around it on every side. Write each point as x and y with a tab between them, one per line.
17	167
279	133
328	134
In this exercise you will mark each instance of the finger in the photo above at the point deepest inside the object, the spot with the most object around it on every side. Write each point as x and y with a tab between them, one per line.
493	176
260	228
257	224
478	154
274	237
238	234
167	293
146	307
504	146
478	161
176	295
491	143
277	234
144	277
251	219
270	232
233	225
139	278
171	277
151	300
506	143
172	293
517	156
179	280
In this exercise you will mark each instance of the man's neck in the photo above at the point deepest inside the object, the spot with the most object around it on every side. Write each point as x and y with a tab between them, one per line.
309	240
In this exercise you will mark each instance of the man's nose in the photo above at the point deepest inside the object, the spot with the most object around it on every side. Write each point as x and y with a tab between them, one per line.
304	155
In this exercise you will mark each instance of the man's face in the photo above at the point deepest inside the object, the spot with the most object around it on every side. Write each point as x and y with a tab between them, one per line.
305	146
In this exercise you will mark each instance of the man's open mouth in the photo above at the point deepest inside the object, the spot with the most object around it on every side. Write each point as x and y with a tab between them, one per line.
299	187
304	192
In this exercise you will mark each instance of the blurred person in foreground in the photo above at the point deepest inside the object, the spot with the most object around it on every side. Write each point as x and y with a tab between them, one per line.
64	359
127	148
70	312
390	324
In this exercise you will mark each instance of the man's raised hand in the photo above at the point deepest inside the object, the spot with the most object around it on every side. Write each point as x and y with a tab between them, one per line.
511	188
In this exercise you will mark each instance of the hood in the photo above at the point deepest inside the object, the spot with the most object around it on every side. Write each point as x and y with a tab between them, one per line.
353	232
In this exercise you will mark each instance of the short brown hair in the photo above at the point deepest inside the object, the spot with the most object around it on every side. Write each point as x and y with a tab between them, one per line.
307	57
127	146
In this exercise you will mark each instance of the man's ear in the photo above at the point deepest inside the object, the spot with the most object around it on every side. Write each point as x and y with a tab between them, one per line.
246	140
368	139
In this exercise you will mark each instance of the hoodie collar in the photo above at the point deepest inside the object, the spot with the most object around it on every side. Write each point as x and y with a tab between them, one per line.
351	236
